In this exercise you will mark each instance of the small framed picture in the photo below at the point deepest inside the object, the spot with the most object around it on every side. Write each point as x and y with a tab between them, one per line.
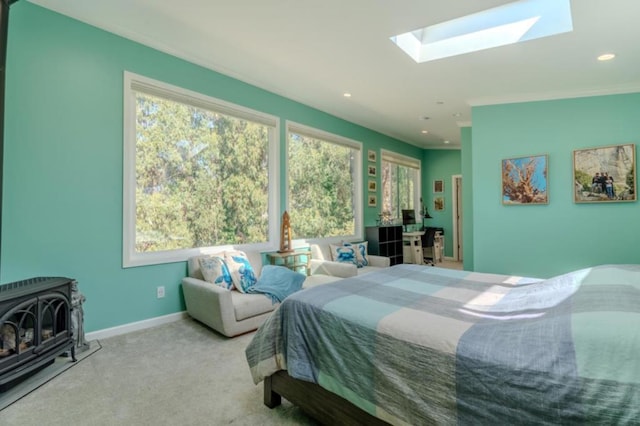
438	204
372	200
438	186
371	156
372	170
373	185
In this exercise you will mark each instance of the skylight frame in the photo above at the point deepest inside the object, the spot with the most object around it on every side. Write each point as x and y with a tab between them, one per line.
511	23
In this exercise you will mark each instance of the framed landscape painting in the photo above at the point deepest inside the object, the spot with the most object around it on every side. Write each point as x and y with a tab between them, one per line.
524	180
604	174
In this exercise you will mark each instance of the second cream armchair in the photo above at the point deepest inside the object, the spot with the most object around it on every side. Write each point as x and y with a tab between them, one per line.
323	263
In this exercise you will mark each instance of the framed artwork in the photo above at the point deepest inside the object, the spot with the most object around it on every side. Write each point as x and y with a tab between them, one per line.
604	174
372	170
524	180
373	185
438	204
371	155
438	186
372	200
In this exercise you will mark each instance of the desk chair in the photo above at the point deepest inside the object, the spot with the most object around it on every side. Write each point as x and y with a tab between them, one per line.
427	245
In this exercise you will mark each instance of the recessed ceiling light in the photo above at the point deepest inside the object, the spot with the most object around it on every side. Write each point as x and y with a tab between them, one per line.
346	94
606	57
457	114
446	142
510	23
424	132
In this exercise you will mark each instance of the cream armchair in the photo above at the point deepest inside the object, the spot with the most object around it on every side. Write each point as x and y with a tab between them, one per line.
230	312
322	263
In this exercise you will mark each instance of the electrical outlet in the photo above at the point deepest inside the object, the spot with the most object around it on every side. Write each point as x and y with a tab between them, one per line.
160	292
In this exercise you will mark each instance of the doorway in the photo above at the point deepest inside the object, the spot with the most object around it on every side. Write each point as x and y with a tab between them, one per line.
456	196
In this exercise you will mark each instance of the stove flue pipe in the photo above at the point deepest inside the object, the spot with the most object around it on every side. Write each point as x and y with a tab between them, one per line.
4	33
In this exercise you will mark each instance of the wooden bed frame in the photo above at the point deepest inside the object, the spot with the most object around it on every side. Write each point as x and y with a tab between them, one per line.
319	403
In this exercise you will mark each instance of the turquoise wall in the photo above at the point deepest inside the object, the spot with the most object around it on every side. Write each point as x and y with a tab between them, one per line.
545	240
440	164
62	212
467	199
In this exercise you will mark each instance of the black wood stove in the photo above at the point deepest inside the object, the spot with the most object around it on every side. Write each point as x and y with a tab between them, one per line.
35	326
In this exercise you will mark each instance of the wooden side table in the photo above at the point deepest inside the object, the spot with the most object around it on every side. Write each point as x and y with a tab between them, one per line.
293	260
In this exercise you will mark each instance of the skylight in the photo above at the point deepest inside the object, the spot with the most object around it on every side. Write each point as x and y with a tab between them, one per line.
511	23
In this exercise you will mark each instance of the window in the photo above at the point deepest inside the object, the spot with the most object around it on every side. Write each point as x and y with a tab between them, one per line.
196	173
325	184
400	183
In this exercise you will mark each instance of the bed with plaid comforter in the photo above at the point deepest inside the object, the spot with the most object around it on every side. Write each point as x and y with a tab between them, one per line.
420	345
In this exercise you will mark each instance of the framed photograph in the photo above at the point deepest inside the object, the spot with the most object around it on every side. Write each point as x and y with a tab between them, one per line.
373	185
372	200
604	174
371	155
438	186
372	170
524	180
438	204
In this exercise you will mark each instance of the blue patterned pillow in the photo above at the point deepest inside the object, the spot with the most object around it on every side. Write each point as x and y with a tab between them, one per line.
361	254
215	271
241	270
344	253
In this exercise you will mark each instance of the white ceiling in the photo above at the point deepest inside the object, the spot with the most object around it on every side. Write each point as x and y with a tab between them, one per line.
314	51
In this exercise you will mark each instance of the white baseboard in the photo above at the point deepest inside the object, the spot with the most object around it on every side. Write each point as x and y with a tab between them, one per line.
134	326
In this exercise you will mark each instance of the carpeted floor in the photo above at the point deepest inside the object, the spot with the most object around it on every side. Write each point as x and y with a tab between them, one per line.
178	373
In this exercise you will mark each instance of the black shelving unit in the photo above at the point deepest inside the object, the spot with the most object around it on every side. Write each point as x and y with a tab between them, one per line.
385	241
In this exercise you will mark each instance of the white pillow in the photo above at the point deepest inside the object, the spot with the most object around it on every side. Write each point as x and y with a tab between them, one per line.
214	270
241	270
344	253
354	253
362	255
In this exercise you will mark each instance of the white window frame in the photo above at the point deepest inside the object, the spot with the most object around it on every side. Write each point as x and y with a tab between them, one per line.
134	82
411	162
293	127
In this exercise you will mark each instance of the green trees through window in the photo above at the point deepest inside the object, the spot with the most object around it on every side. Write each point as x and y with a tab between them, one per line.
322	186
203	174
400	183
201	177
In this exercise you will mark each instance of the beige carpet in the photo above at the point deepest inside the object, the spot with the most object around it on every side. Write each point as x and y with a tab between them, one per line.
178	373
36	380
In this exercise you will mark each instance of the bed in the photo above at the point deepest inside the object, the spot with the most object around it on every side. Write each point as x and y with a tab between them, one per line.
413	344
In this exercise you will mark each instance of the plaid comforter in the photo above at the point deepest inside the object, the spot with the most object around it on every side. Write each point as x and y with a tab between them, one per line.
421	345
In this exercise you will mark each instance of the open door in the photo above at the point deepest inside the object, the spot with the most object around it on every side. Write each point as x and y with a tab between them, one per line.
456	196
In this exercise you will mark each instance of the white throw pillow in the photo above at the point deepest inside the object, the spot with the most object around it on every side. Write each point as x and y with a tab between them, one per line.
362	255
241	271
214	270
344	253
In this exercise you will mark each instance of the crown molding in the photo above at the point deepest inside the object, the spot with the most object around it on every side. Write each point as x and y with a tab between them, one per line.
550	96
